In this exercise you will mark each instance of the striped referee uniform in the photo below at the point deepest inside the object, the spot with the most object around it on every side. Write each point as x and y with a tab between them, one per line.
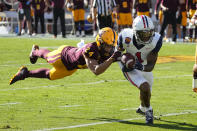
104	12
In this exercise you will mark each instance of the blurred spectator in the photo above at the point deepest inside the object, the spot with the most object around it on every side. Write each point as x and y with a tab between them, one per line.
142	7
49	15
182	21
58	11
169	8
24	10
77	7
102	12
93	20
191	8
124	13
2	8
39	9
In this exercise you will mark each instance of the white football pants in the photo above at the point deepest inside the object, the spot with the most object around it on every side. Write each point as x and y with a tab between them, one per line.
137	77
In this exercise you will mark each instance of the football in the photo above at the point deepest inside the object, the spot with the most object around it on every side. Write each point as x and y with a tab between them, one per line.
128	60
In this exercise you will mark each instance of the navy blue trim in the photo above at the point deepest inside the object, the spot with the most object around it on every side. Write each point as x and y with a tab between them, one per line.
114	36
158	45
136	45
146	21
120	41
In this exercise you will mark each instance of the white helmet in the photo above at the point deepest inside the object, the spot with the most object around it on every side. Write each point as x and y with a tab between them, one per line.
143	29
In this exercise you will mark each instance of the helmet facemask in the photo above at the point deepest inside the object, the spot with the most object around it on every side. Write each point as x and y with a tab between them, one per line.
144	36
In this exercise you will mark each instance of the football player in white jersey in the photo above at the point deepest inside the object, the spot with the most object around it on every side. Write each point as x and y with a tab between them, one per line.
143	43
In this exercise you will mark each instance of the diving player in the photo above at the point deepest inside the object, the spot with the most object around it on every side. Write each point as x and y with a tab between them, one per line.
97	56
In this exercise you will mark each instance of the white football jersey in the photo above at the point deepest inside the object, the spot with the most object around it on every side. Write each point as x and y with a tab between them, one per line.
127	41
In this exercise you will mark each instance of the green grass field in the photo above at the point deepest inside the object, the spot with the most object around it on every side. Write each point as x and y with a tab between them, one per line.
84	102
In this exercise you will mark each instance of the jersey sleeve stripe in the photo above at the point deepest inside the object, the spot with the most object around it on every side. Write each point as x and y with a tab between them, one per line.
143	21
146	21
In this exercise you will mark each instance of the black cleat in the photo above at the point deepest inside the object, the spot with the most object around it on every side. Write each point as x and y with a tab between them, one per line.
140	111
149	117
33	58
20	75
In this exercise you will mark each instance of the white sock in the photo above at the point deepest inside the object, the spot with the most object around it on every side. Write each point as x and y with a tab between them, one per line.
194	84
144	109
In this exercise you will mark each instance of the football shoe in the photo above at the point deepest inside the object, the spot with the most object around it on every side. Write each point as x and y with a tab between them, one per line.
33	58
149	117
20	75
140	111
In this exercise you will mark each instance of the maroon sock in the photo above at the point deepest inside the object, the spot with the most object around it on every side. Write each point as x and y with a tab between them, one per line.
42	53
39	73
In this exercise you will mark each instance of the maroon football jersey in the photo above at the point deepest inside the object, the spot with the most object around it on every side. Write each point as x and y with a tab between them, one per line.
59	4
39	6
171	4
183	6
142	6
23	5
78	4
191	4
73	58
124	5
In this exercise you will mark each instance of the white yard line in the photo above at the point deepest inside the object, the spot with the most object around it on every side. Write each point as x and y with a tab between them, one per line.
70	106
11	103
11	65
89	83
104	122
128	109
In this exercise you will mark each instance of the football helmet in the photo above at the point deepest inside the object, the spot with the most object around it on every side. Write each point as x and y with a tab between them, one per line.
143	29
106	36
69	7
89	18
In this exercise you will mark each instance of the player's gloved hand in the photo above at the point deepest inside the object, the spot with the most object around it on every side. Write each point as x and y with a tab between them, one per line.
125	69
138	66
116	56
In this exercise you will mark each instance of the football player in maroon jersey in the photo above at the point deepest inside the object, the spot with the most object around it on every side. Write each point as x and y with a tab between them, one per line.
97	56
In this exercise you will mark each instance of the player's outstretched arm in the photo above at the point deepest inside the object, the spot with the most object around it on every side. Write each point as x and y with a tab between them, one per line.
97	68
151	61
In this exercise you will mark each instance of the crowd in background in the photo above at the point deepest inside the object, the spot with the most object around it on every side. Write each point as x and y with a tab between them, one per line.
171	17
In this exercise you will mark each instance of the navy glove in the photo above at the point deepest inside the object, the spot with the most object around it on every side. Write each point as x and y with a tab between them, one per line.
116	55
138	66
